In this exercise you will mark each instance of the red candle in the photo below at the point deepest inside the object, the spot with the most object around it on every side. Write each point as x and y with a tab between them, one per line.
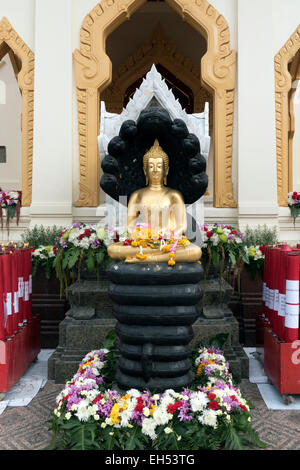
8	294
275	283
282	285
14	282
271	276
2	321
20	286
266	286
27	273
291	324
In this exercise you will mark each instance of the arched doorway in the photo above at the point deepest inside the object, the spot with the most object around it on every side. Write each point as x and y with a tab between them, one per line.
10	42
217	75
287	70
174	66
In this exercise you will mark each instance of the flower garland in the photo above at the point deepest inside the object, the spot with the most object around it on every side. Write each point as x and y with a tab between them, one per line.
11	201
294	204
143	237
211	415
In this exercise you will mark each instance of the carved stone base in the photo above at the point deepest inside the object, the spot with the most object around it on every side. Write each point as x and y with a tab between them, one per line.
155	306
91	318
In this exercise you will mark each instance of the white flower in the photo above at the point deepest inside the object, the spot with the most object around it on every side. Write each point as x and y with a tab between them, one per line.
168	430
208	418
198	401
160	416
146	412
134	393
68	415
83	411
103	425
148	428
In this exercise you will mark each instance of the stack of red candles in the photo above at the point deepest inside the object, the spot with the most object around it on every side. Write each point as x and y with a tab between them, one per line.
15	289
281	291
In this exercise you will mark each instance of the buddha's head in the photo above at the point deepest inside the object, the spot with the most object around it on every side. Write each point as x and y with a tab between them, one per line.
156	165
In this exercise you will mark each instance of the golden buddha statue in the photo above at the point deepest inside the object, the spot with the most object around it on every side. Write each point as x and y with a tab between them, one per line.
160	208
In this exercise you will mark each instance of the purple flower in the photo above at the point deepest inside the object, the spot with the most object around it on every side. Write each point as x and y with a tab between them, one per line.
76	225
96	243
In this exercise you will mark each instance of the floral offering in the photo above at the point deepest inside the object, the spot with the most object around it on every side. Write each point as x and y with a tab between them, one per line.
221	244
294	204
210	415
44	256
11	201
143	236
256	258
83	242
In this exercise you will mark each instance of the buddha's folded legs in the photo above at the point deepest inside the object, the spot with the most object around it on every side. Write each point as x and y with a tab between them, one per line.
188	254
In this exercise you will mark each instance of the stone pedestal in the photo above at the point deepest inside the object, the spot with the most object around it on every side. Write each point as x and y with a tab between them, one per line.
155	306
91	317
86	325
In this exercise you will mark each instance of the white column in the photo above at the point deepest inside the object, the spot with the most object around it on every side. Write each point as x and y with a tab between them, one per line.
52	152
257	178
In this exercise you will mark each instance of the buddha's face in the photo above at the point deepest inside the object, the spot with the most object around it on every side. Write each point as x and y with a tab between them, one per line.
155	170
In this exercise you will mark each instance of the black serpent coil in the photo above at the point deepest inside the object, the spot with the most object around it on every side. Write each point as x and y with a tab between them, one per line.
123	166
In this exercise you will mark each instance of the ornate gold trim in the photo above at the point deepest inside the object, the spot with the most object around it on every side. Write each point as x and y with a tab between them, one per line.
283	85
10	40
94	73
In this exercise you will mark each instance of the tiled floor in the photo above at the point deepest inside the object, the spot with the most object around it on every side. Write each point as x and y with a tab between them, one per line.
26	428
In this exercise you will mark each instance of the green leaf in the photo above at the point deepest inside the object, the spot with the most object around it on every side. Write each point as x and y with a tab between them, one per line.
215	255
110	340
219	340
90	261
100	256
73	257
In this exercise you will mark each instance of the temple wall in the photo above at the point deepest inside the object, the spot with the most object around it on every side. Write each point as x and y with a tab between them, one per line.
258	31
10	128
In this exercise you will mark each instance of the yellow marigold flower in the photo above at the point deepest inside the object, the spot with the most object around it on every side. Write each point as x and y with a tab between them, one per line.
115	413
140	256
152	409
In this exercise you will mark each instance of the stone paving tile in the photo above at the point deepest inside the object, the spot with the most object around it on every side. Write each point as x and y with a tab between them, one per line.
26	428
280	429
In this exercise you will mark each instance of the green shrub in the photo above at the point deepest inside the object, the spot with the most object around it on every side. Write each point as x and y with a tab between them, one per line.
40	235
260	235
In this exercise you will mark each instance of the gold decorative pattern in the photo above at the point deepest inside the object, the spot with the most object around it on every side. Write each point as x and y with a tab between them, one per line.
283	85
94	72
10	40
